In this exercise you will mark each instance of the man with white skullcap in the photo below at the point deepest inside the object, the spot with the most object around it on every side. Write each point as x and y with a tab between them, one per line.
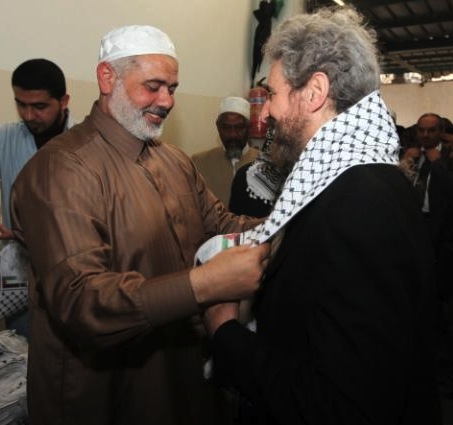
219	165
114	296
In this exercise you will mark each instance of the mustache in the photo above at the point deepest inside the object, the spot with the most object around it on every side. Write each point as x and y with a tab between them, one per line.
31	122
234	142
158	110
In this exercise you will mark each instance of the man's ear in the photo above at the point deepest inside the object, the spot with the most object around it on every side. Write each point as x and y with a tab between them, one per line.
317	91
106	77
65	101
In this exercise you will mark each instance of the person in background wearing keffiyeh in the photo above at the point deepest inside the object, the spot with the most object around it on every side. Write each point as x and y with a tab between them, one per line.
345	316
256	185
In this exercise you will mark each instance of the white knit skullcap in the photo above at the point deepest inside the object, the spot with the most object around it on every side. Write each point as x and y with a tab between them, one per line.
135	40
238	105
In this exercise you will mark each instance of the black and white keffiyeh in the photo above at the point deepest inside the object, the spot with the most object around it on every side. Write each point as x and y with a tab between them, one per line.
363	134
264	179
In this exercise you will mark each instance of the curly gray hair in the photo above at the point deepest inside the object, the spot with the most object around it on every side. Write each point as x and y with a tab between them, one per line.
334	41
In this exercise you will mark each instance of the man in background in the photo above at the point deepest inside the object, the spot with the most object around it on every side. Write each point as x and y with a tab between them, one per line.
41	99
219	165
256	185
430	168
432	173
116	220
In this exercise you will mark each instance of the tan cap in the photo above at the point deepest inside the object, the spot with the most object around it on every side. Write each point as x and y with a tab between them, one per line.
239	105
135	40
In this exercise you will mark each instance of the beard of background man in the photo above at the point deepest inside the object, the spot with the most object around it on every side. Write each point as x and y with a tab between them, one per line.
132	118
43	135
234	148
37	129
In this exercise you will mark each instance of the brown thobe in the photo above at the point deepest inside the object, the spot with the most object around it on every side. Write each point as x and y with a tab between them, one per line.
112	225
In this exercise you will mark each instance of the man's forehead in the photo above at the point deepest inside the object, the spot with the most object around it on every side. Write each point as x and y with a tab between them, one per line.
157	61
155	67
428	121
31	96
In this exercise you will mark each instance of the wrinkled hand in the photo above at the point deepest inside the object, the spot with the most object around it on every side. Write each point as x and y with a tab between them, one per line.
231	275
5	233
218	314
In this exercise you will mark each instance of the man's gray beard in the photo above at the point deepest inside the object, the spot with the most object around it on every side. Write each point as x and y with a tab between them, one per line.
130	117
287	144
234	152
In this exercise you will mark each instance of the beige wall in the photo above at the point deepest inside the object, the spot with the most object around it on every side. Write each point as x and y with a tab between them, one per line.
409	101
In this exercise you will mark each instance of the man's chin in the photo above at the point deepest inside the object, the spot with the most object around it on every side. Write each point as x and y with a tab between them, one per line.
36	131
153	133
283	155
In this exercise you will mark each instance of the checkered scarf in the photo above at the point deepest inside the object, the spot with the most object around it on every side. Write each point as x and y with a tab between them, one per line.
363	134
264	179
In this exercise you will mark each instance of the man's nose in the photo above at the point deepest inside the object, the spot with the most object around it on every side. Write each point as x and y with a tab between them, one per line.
234	130
166	98
28	113
264	114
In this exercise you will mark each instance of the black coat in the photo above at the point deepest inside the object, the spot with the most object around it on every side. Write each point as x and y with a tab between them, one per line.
440	219
345	316
440	195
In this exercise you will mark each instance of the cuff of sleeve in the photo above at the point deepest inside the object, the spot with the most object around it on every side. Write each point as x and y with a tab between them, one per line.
234	357
168	298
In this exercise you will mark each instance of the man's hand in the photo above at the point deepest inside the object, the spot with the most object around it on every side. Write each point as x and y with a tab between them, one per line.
5	233
231	275
218	314
432	154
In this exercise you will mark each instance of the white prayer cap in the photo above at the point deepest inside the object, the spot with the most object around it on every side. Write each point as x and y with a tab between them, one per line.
135	40
239	105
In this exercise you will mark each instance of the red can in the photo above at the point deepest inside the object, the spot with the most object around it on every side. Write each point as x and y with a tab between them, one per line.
257	98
